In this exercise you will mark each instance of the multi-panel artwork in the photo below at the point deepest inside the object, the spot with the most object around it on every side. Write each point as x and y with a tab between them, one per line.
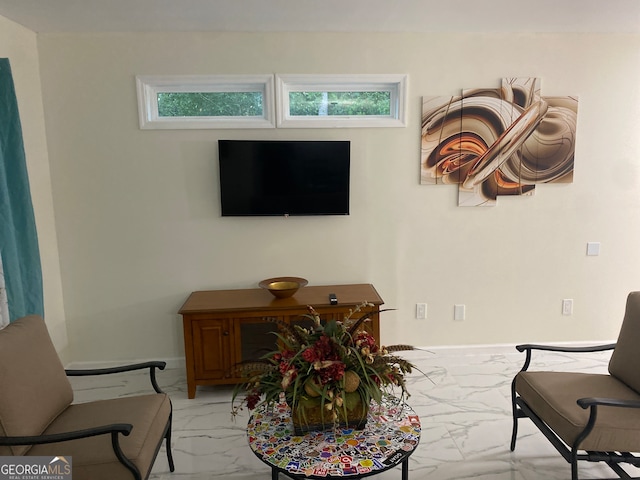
500	141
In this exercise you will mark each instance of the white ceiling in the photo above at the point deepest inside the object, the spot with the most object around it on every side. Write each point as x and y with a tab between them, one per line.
52	16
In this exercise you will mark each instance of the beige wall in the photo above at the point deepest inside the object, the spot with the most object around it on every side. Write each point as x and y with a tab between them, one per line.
137	212
19	45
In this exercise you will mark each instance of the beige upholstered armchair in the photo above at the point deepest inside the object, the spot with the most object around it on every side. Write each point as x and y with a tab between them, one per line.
590	417
107	439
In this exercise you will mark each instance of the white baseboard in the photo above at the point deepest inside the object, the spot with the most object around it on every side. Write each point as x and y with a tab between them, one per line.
444	350
502	348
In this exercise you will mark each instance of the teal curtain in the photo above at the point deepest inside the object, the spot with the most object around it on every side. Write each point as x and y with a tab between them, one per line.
18	238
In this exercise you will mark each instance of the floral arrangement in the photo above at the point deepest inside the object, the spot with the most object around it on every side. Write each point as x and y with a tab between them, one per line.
336	365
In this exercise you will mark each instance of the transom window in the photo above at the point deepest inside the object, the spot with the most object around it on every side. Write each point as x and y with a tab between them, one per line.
260	101
210	104
302	104
206	101
341	101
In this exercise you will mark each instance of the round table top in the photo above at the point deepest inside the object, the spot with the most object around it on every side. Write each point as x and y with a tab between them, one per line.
392	433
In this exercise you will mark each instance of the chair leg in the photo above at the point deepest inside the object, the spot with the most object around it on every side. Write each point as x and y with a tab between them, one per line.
514	408
574	463
168	438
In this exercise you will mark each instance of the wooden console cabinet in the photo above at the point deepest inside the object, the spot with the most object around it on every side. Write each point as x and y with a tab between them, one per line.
225	327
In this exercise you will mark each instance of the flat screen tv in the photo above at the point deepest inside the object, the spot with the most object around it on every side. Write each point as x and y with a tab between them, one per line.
284	177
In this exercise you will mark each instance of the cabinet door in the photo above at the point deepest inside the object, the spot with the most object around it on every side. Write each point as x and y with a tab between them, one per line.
212	348
255	337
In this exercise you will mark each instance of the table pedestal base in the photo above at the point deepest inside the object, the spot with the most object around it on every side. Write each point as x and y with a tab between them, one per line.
275	472
390	436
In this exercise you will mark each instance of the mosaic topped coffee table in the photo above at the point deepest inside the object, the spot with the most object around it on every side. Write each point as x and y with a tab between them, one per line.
391	435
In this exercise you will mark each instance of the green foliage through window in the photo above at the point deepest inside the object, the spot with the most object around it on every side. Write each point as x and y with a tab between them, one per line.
210	104
340	103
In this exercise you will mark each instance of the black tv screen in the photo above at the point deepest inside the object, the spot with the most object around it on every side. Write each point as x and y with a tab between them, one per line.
284	177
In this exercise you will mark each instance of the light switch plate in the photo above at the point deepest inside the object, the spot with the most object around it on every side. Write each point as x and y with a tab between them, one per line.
593	249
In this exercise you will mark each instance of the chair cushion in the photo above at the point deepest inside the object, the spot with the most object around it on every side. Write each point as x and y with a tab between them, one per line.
93	458
626	357
34	388
553	396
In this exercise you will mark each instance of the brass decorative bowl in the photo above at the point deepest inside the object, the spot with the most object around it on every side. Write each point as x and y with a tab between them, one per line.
283	287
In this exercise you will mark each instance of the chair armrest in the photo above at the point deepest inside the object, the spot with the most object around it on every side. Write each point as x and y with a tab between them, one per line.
123	428
529	347
123	368
609	402
592	403
559	348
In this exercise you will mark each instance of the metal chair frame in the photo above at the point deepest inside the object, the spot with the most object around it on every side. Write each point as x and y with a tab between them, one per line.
115	430
573	453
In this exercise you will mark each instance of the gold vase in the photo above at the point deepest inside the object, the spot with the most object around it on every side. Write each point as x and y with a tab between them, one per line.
311	414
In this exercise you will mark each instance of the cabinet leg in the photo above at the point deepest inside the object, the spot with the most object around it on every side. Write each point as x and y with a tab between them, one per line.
191	390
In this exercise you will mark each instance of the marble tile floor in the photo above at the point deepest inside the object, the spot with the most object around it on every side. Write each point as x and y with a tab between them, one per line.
463	400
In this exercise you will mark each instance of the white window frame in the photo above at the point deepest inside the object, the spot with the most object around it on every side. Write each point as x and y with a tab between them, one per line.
148	87
395	83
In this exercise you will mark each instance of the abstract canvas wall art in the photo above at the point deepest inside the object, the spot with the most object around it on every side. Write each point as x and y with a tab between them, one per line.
501	141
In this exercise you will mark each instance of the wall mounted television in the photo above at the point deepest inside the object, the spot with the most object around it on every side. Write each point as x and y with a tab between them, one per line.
272	177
